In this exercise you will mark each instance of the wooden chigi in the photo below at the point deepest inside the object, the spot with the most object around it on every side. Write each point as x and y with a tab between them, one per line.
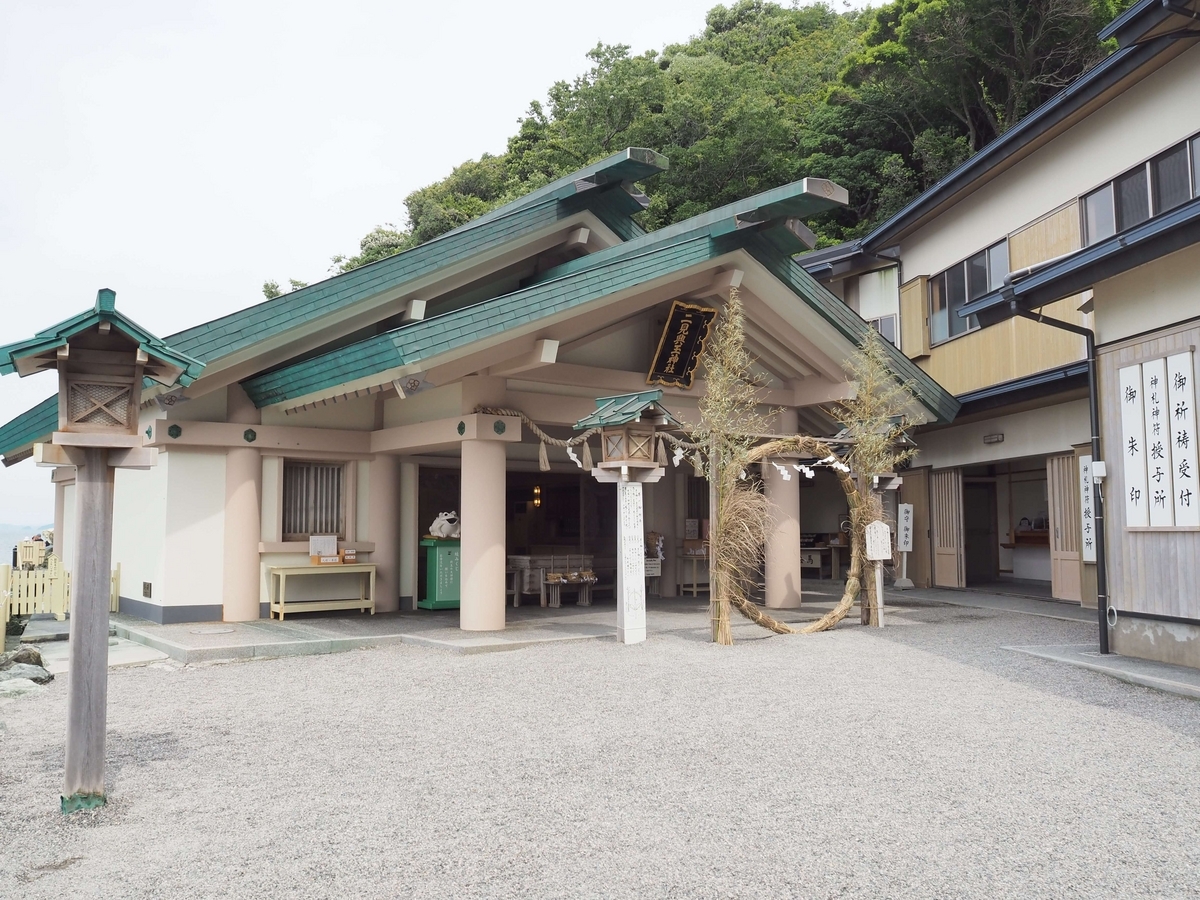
102	358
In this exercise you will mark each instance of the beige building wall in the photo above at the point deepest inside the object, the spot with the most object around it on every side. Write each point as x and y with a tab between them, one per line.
1035	432
1148	298
193	558
1149	117
139	528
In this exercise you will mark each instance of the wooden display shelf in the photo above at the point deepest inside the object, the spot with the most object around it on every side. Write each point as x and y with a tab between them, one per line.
1027	539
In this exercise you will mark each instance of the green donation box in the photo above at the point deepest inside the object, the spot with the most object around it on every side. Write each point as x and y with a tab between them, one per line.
443	560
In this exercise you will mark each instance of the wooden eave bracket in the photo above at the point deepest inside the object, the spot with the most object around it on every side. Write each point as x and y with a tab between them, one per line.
544	353
55	455
414	310
723	282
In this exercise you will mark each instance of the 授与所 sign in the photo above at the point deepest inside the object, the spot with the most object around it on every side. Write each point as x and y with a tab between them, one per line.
680	346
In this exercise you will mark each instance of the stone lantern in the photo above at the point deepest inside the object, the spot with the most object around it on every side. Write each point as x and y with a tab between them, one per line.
103	360
628	424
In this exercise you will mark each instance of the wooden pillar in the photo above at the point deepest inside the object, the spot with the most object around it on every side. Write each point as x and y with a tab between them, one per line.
782	567
410	534
87	680
384	531
663	502
242	574
481	585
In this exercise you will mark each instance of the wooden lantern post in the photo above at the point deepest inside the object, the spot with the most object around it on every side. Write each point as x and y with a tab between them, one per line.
628	424
102	359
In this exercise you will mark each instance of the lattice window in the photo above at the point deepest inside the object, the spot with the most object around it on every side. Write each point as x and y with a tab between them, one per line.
640	445
313	500
100	404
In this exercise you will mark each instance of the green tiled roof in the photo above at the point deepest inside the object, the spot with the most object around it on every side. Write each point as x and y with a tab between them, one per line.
934	397
625	408
426	339
590	277
30	426
597	186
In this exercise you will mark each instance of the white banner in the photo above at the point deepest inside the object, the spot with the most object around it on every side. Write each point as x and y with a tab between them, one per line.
1181	407
1158	443
1087	512
904	528
1133	447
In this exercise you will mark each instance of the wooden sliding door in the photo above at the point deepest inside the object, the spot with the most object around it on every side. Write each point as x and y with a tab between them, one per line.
946	516
1062	487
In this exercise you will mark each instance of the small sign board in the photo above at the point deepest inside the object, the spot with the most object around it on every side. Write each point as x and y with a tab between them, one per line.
680	346
879	541
904	527
1087	515
322	545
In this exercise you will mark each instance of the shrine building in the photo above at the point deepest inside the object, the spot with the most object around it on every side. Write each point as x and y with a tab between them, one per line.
447	378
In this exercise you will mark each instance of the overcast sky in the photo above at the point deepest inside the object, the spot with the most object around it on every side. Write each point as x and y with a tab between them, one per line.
183	153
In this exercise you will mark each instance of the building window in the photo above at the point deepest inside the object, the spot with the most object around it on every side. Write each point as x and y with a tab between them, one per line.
1195	166
313	501
1147	190
1133	199
1098	218
886	326
1170	179
960	284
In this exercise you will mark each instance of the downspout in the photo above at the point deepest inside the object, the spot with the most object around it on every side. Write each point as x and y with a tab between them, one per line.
1104	614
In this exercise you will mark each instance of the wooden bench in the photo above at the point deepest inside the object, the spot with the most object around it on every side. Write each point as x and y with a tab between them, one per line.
279	575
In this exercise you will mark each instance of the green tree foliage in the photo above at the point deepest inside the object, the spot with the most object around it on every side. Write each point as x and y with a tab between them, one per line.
975	65
885	102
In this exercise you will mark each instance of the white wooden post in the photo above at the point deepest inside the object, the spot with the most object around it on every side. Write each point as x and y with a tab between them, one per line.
879	548
91	582
904	533
631	564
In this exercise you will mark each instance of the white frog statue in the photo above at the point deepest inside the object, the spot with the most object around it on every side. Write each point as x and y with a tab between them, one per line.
445	526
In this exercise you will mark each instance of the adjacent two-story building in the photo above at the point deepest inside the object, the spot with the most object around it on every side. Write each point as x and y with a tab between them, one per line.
1085	213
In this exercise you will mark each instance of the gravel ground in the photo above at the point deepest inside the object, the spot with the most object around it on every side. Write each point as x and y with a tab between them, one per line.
921	761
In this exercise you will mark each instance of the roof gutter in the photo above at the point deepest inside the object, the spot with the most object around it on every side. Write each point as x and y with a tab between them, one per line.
1106	615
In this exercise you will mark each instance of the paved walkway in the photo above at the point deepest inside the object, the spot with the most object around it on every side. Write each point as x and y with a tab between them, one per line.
1179	680
315	633
528	625
1029	606
137	642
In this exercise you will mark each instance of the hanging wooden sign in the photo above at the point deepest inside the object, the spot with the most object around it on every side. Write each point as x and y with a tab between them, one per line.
680	346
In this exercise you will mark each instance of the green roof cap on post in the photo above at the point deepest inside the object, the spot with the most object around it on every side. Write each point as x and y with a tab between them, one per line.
38	353
625	408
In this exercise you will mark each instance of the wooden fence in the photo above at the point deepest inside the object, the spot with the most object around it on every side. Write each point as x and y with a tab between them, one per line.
26	592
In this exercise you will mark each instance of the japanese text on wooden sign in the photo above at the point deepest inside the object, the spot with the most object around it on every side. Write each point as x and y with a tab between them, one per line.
904	527
1087	512
1158	442
879	541
680	346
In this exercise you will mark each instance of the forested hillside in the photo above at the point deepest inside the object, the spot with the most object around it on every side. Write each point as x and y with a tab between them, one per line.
884	102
